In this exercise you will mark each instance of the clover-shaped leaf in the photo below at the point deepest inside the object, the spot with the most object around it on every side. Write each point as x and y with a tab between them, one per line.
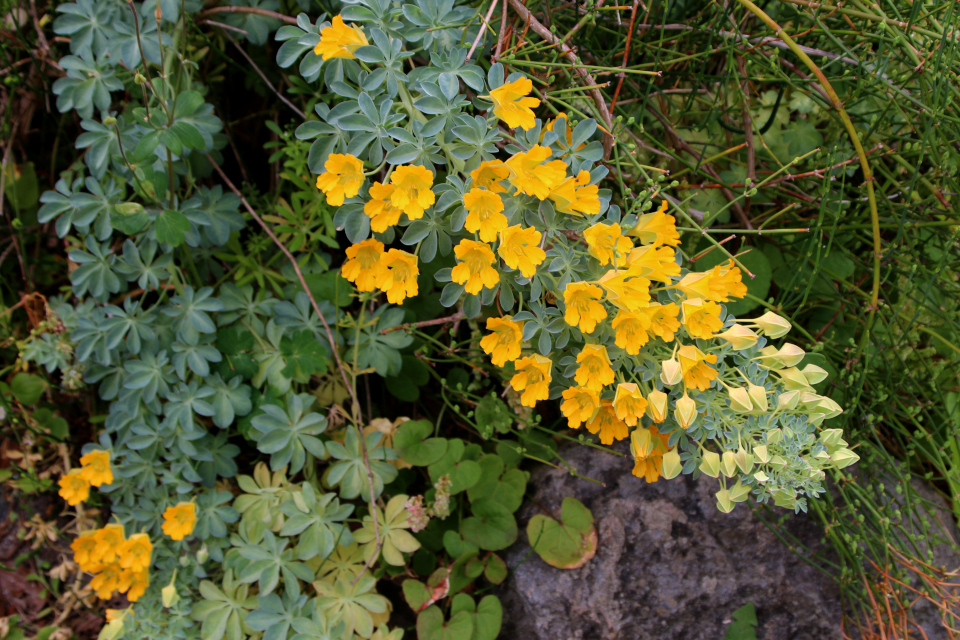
568	544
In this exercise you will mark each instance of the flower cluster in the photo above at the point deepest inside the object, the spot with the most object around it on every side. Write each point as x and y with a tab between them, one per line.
117	563
179	520
94	472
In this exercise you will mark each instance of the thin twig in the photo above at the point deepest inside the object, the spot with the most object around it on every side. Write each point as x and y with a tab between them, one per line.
459	315
260	12
626	53
483	29
4	212
262	76
503	32
748	140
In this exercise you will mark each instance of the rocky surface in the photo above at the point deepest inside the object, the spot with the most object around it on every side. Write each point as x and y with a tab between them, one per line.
668	565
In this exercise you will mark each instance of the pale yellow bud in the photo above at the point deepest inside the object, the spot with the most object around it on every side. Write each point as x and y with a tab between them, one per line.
843	458
770	358
788	401
793	379
791	355
740	400
758	395
760	453
778	462
112	630
814	374
710	465
772	325
739	492
774	436
203	554
832	438
686	411
671	464
743	459
761	476
641	443
657	403
724	503
169	595
739	337
728	465
672	373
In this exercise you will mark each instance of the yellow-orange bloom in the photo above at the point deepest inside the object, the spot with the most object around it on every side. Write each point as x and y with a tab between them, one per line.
342	179
489	175
695	365
399	276
576	196
511	105
85	551
362	266
380	209
484	213
656	263
719	284
583	309
135	553
629	403
138	585
701	318
579	405
607	424
626	289
530	176
607	244
340	40
663	320
630	331
412	194
475	269
648	447
74	488
179	520
96	468
658	228
532	378
503	344
594	372
109	540
520	249
107	580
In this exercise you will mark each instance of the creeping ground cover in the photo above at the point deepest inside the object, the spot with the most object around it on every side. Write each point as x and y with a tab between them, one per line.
286	359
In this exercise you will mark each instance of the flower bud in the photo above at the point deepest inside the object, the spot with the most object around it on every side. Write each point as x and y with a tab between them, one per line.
791	354
770	358
778	462
809	398
814	374
760	453
727	464
743	459
761	476
830	406
112	630
657	405
109	121
203	554
640	442
758	395
739	337
772	325
832	438
739	492
671	464
710	465
740	400
169	595
686	411
139	78
774	436
843	458
788	401
793	380
724	503
672	373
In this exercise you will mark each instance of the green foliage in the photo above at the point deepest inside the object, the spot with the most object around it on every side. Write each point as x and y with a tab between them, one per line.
744	626
567	544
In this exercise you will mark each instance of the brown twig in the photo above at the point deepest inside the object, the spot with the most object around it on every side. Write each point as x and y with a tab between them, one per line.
459	315
483	29
626	53
587	77
503	32
261	74
259	12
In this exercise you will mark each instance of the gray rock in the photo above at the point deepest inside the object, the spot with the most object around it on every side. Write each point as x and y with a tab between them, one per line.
668	565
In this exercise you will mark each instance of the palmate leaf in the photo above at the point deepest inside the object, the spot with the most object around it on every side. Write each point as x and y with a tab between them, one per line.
317	521
88	24
350	471
190	310
95	275
271	561
305	356
395	539
230	399
374	349
289	434
352	603
223	608
275	617
87	85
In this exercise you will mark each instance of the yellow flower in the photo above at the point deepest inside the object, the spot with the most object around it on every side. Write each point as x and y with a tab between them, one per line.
606	422
489	175
695	364
654	263
701	319
631	331
511	105
663	320
532	378
380	209
96	468
179	520
552	123
484	213
583	310
656	229
74	488
412	194
109	540
138	585
339	40
625	289
107	581
85	551
530	176
594	372
362	266
719	284
577	196
607	244
342	179
648	447
579	405
503	343
520	249
135	553
399	276
475	270
629	404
